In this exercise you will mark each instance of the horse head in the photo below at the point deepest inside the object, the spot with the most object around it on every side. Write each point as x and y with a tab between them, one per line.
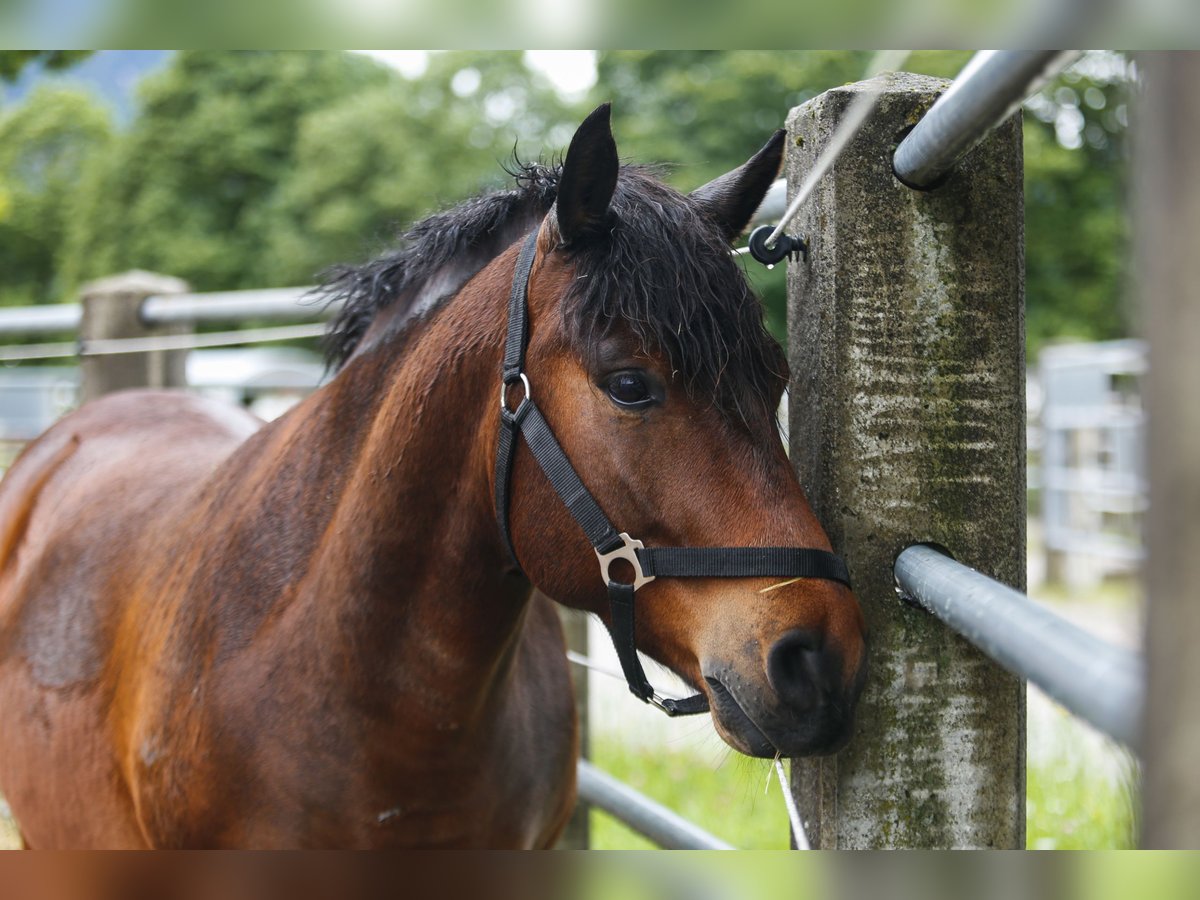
648	356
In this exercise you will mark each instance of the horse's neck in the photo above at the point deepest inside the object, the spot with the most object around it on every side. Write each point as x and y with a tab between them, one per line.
408	580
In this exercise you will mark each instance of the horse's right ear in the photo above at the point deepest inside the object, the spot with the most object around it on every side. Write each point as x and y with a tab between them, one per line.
731	200
589	177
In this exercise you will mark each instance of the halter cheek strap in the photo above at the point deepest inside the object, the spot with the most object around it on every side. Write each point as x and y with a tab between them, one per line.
610	545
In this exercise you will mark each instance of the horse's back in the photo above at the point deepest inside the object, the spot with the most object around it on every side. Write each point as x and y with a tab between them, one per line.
73	509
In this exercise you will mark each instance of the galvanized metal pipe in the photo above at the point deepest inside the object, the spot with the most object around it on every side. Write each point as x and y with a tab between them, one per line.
989	88
269	303
1103	684
642	814
40	319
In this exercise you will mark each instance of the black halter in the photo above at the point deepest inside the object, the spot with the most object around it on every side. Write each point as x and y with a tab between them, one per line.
609	544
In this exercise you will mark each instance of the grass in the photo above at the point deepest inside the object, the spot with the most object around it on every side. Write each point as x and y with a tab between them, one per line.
1069	806
728	801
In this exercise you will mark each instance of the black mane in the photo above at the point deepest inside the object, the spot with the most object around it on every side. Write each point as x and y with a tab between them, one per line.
663	270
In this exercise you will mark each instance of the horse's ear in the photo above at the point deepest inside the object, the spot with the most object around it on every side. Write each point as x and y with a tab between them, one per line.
589	177
731	200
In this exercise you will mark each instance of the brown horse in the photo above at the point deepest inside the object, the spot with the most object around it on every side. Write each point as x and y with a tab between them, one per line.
311	633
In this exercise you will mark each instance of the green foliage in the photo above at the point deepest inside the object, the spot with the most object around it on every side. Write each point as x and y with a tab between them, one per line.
1070	807
44	147
371	163
256	169
13	62
1076	221
187	189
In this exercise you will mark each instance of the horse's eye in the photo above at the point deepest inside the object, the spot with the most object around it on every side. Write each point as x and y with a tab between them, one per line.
629	389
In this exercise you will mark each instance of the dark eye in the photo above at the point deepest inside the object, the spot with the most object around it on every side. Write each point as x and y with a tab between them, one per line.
629	389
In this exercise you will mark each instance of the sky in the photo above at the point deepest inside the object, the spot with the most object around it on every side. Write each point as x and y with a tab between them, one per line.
572	72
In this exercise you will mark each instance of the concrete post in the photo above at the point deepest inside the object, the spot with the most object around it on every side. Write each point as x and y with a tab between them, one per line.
575	625
1167	174
906	334
111	310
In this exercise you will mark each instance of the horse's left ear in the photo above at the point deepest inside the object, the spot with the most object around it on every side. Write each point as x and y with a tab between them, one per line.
589	177
731	200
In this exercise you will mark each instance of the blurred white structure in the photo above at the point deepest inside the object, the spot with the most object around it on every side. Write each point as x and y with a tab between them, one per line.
1092	473
266	380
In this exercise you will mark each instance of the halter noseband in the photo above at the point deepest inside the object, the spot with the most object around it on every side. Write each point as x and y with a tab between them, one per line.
610	545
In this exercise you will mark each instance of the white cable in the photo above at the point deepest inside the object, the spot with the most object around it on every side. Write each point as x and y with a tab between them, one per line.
856	114
111	346
39	351
588	663
790	802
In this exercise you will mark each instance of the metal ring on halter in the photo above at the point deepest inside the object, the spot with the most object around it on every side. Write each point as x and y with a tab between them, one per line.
505	385
628	553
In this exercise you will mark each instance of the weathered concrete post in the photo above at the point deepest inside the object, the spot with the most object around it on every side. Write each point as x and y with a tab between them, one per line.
1168	220
111	309
575	624
906	333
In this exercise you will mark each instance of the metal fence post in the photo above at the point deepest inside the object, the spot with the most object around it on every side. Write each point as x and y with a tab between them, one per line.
1167	178
111	309
906	334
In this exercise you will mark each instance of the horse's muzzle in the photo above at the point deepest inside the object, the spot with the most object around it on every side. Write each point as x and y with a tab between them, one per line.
799	706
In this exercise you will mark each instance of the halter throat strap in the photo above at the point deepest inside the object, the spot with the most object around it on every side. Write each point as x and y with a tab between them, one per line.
648	563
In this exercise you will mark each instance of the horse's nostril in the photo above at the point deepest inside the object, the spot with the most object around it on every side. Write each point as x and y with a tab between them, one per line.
795	670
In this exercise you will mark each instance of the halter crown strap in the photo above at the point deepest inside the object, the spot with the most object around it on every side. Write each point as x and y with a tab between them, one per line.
609	544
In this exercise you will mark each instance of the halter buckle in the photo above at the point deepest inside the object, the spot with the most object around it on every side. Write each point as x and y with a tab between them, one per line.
628	552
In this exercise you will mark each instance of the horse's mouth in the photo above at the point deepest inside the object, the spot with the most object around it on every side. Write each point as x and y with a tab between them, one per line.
740	730
734	722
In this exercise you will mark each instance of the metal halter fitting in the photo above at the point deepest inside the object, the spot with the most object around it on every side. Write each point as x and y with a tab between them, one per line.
610	545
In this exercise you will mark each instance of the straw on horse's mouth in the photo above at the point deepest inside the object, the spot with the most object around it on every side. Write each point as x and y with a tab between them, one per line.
725	704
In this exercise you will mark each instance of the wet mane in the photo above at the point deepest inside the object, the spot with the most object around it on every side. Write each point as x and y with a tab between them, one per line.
663	270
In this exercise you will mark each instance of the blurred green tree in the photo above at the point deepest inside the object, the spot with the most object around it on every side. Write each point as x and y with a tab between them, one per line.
370	164
1077	227
44	146
184	192
13	62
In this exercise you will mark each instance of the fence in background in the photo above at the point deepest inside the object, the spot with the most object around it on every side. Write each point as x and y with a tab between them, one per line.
1091	477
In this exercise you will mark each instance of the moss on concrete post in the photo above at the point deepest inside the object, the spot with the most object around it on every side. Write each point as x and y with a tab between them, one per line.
112	309
906	334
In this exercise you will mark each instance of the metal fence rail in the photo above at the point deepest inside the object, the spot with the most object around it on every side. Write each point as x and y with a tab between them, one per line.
1100	683
40	319
989	88
642	814
294	303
